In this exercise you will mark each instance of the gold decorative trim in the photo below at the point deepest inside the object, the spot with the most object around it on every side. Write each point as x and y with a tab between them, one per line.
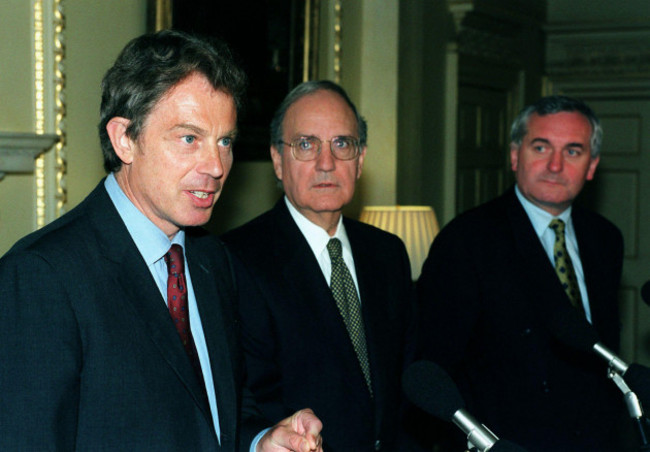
61	164
337	40
39	109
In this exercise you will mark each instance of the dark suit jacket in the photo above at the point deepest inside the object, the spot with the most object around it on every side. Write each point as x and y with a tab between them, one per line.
90	357
298	352
486	293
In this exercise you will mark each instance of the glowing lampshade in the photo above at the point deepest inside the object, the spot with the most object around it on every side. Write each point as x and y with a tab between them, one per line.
417	226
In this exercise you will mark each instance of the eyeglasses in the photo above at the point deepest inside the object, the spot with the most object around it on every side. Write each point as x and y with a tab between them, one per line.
308	148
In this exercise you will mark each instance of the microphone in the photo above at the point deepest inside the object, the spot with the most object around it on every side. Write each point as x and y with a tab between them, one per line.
572	329
431	389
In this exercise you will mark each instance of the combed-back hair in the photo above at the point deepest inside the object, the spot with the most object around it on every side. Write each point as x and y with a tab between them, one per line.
151	65
556	104
304	89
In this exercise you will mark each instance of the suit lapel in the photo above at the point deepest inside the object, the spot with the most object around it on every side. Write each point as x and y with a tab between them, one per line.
594	269
303	277
550	299
133	282
213	291
374	316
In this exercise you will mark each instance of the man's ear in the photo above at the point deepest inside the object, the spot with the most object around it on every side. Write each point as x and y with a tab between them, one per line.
122	144
276	157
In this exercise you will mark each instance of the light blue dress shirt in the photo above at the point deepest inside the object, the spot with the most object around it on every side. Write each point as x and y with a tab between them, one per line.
540	220
153	244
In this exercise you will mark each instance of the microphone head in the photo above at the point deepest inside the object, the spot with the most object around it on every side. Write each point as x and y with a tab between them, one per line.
571	328
645	293
431	389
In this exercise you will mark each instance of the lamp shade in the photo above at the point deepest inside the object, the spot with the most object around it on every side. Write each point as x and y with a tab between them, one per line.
417	226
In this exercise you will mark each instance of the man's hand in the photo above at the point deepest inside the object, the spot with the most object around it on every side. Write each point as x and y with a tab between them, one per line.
299	433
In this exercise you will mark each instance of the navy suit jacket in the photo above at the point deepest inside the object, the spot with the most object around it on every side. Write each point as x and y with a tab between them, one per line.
487	292
90	357
297	350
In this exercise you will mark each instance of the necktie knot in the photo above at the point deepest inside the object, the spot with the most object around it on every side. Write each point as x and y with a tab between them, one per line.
174	260
334	249
558	226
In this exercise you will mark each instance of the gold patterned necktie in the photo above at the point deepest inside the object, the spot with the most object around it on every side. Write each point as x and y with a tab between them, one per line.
347	300
564	266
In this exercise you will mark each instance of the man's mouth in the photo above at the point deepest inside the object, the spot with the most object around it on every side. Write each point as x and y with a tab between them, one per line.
200	194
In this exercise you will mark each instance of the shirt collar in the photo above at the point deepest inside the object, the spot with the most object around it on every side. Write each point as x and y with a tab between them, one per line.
152	243
539	217
317	237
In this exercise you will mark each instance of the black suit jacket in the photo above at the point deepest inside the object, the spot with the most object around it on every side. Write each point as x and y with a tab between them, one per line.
298	352
90	357
487	292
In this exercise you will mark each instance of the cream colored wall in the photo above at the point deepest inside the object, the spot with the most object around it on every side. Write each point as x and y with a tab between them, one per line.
94	34
16	107
377	74
369	72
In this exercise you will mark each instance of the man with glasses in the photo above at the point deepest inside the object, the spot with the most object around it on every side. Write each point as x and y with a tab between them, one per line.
326	301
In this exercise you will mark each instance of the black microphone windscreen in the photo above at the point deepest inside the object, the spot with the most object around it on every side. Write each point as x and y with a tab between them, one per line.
431	389
645	293
571	328
637	378
506	446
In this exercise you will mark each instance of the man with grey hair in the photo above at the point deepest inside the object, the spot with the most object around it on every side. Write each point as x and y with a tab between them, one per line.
327	303
499	275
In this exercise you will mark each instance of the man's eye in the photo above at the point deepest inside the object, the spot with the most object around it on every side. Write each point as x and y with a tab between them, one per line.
539	148
226	142
189	139
573	152
305	145
341	143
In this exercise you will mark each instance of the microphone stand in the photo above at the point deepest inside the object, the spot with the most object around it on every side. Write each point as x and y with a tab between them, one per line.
633	406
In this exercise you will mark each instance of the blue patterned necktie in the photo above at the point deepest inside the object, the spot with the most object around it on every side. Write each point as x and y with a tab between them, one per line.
564	266
347	300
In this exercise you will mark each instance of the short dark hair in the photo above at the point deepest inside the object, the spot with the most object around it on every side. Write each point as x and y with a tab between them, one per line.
303	90
152	64
556	104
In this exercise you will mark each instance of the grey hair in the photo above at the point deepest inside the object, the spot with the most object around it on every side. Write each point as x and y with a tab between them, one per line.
303	90
556	104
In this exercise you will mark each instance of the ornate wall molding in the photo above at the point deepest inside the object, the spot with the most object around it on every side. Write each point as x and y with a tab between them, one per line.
598	52
493	31
50	107
18	150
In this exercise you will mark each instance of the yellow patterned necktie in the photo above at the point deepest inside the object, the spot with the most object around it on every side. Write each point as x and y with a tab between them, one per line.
347	300
564	266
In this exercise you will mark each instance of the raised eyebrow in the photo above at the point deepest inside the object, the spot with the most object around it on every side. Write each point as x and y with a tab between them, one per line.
540	141
190	127
575	145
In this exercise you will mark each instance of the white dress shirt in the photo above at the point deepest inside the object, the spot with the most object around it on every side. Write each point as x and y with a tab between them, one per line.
317	238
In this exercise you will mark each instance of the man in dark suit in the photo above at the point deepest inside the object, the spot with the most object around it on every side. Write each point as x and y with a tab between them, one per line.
91	358
490	293
302	343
